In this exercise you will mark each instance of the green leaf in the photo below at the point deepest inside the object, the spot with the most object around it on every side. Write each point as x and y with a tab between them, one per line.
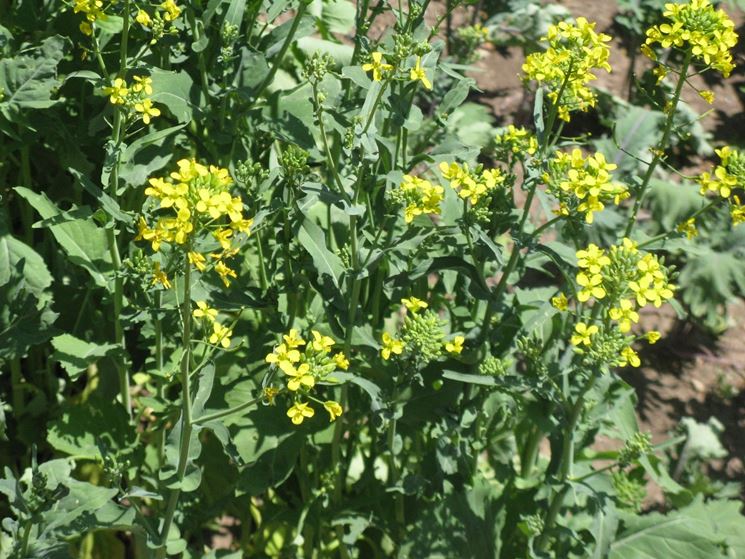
36	276
75	355
327	263
29	81
84	243
84	428
234	13
175	91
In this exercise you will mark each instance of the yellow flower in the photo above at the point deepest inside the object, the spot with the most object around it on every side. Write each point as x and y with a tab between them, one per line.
377	66
560	302
284	357
414	305
220	334
583	334
341	361
225	272
688	227
707	96
117	91
148	111
737	211
420	197
299	412
653	336
625	315
86	28
197	260
159	276
456	346
391	345
418	74
171	9
203	310
293	339
143	84
320	342
269	394
301	376
334	409
143	18
629	357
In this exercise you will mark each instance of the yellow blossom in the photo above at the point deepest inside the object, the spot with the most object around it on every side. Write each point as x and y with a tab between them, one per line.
143	18
220	334
560	302
653	336
293	339
377	66
455	347
298	412
301	376
629	357
145	107
583	334
334	409
197	260
391	345
341	361
624	314
320	342
172	11
159	276
414	304
283	357
203	310
418	74
117	91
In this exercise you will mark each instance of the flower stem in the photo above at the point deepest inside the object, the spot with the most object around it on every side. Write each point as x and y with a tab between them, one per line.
659	150
186	423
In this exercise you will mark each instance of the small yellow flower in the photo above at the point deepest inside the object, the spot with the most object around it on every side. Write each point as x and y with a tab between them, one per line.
624	314
301	376
583	334
560	302
418	74
391	345
220	334
414	305
203	310
341	361
269	394
456	346
143	18
629	357
117	92
707	96
225	272
197	260
320	342
86	29
653	336
159	276
148	111
377	66
334	409
299	412
143	84
688	227
171	9
293	339
284	357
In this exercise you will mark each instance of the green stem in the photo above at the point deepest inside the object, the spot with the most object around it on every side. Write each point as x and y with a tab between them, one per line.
26	537
225	413
283	51
262	266
659	151
694	215
186	423
567	461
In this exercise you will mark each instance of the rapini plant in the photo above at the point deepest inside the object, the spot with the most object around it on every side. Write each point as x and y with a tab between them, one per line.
279	305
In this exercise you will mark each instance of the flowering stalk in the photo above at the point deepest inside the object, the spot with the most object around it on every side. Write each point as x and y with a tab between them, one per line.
186	419
659	150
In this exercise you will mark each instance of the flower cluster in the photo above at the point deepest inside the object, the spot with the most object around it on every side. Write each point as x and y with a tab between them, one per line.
135	97
419	196
472	185
728	176
377	66
93	10
516	142
696	25
566	67
165	13
219	334
421	338
306	363
582	185
381	70
626	280
191	201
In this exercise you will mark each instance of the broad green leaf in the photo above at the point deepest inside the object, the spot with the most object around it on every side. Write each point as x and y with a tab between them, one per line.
28	81
75	355
36	276
176	91
84	243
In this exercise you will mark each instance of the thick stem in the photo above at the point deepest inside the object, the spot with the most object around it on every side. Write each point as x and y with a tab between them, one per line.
186	423
660	149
